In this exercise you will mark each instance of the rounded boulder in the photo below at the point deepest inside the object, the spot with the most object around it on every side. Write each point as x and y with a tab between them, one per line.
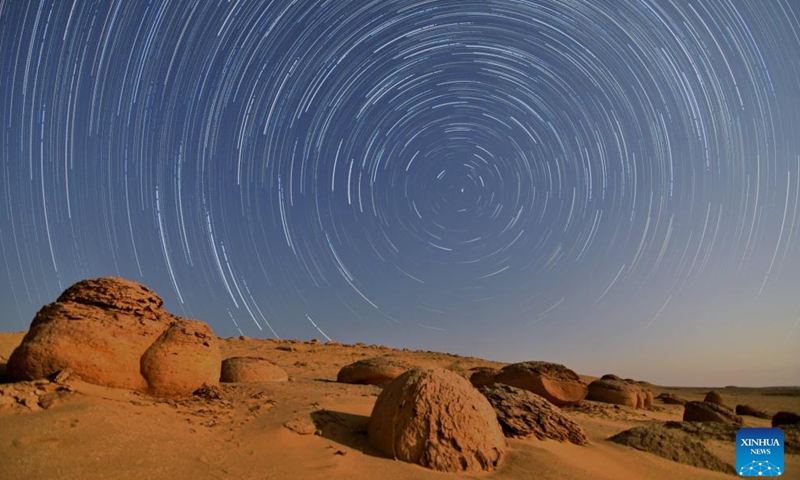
251	370
184	358
436	419
556	383
372	371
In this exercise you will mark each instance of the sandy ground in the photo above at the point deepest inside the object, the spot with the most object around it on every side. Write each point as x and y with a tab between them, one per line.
97	432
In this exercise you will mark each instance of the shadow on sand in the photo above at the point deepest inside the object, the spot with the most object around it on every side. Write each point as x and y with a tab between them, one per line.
347	429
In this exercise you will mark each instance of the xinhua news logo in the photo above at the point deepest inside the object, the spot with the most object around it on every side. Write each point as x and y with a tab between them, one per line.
759	452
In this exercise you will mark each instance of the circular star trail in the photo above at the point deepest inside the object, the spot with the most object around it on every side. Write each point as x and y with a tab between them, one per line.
424	173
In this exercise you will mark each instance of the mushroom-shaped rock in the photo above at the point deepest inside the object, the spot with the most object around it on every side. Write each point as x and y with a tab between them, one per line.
251	370
618	392
556	383
482	376
714	397
181	360
673	446
785	418
670	399
751	412
372	371
523	414
436	419
98	329
709	412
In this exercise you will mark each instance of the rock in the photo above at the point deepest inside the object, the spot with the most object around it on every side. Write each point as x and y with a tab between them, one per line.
724	432
714	397
751	412
556	383
619	392
51	399
436	419
61	376
251	370
672	446
611	376
791	438
785	418
98	328
482	376
372	371
301	426
285	348
181	360
208	392
523	414
709	412
670	399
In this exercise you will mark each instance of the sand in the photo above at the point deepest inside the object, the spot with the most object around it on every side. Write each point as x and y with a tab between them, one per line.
98	432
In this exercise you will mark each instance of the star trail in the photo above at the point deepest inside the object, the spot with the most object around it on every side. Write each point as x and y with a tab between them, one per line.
590	182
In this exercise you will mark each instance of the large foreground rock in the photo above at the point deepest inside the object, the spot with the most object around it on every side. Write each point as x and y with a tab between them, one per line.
97	328
251	370
673	446
523	414
435	418
612	389
709	412
184	358
372	371
556	383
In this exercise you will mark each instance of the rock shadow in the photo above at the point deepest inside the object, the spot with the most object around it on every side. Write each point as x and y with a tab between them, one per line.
344	428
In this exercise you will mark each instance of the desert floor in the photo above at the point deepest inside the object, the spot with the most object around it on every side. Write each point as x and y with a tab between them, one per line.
97	432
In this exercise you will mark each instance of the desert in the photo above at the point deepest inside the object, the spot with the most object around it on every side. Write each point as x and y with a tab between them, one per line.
285	410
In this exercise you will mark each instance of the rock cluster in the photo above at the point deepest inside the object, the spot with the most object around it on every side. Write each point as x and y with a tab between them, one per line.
102	329
436	419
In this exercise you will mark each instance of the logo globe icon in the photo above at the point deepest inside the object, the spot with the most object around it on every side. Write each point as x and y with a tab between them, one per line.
760	469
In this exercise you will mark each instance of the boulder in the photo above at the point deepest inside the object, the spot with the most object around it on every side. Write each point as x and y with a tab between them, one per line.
785	418
184	358
672	446
482	376
523	414
251	370
372	371
617	392
436	419
98	328
670	399
714	397
751	412
556	383
709	412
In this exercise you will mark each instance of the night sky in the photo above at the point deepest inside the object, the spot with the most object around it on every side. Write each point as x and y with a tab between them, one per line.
612	185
